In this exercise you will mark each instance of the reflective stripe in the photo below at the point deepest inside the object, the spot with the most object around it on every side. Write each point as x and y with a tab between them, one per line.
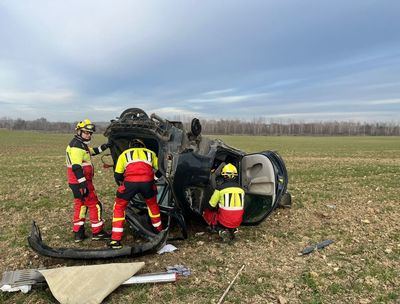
226	200
149	157
82	179
68	159
138	161
115	229
82	212
156	224
97	224
118	219
128	157
236	200
231	208
153	215
99	149
98	206
80	223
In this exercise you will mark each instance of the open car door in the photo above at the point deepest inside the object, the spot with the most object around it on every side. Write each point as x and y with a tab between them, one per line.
264	179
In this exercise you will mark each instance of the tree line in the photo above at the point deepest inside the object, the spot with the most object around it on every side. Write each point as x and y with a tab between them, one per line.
335	128
237	127
42	124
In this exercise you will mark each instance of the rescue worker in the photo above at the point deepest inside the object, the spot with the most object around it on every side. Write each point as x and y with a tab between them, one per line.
80	173
134	173
229	197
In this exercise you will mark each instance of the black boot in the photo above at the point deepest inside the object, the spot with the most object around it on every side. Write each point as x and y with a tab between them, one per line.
212	229
232	232
223	234
80	235
115	244
102	235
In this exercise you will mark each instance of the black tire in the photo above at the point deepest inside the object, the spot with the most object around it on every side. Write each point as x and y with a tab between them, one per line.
195	127
133	112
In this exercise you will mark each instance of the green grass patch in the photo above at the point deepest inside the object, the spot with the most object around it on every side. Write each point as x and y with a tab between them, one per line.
359	176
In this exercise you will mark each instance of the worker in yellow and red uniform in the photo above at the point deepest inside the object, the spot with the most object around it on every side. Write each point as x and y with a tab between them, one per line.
134	173
80	173
229	197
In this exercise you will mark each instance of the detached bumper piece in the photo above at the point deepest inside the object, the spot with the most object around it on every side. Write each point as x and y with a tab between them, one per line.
37	244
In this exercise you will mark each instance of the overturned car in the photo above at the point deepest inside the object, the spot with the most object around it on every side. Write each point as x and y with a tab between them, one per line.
190	165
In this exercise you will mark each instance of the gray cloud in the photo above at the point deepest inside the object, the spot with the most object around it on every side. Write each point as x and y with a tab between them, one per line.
211	59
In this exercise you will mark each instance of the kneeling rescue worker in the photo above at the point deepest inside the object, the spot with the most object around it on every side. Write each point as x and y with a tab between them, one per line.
80	173
134	174
230	199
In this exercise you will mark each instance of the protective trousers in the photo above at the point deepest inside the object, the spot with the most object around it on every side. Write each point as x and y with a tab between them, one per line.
225	218
211	217
125	193
81	206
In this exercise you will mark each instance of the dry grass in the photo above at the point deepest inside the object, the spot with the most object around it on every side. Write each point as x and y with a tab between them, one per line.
344	189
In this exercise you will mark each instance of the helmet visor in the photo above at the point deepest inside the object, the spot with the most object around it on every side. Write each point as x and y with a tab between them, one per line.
89	128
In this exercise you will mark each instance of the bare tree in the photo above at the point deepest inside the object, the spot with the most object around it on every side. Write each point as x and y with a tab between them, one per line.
257	126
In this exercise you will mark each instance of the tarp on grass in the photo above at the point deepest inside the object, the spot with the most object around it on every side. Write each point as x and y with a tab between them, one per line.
88	284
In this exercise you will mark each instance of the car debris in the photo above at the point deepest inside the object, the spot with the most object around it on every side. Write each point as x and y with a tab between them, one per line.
167	248
179	269
315	247
24	280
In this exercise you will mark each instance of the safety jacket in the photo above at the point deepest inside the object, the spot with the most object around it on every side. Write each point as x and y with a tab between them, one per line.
136	165
230	199
78	159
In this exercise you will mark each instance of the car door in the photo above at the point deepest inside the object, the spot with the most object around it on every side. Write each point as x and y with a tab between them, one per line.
263	177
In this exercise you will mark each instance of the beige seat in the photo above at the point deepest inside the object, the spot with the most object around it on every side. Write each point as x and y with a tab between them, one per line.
258	176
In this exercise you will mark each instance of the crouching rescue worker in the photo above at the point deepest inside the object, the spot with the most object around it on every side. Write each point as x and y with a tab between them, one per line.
228	198
134	173
80	173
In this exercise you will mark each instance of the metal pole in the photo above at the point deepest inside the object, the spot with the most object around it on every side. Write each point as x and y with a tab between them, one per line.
162	277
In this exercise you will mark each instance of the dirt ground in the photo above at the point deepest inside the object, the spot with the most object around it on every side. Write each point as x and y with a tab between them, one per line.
344	189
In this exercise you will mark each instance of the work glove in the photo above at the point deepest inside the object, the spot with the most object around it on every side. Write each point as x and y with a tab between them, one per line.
109	143
119	178
158	174
83	189
105	146
212	208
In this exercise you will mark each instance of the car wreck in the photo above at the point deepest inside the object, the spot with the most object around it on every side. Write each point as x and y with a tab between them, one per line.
190	164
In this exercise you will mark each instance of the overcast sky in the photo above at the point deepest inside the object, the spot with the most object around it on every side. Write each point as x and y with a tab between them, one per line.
279	60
